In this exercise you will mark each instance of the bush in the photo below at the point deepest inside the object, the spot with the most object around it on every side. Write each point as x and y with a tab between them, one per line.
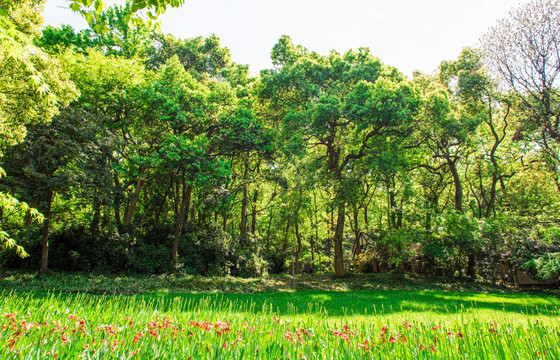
205	250
246	259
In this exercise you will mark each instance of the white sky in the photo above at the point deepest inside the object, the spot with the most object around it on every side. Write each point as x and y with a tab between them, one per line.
408	34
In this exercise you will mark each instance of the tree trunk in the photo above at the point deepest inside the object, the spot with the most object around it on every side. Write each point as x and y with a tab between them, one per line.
457	184
117	204
96	220
254	213
298	249
357	248
28	217
316	239
182	217
45	234
245	200
133	201
471	266
392	210
286	242
337	240
224	221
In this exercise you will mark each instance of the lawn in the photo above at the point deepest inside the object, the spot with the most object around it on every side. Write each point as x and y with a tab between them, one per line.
312	324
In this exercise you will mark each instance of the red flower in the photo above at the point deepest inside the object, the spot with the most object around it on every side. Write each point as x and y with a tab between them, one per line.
407	325
436	327
222	328
364	345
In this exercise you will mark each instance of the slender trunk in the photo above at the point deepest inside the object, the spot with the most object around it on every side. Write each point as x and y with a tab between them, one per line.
224	221
458	186
254	212
337	240
270	218
117	204
94	225
182	217
471	266
298	249
312	243
133	201
45	234
399	215
286	243
316	233
161	206
28	216
243	223
492	201
392	210
357	248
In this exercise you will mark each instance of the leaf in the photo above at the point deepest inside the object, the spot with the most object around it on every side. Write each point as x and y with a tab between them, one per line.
75	7
99	6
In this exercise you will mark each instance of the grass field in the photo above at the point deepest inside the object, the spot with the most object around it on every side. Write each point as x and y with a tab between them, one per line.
351	324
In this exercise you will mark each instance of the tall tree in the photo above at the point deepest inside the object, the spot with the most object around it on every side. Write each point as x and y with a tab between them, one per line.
524	50
32	84
343	105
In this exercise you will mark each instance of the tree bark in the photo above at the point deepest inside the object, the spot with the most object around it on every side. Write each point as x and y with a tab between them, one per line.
243	222
133	201
28	217
458	186
45	234
337	240
357	248
298	249
117	204
471	266
182	217
254	213
96	220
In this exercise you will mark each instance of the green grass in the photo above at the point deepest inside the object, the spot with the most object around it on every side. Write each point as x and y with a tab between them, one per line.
287	324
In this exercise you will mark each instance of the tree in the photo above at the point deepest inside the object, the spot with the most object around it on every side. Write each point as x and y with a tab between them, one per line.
524	49
338	108
92	11
50	161
32	84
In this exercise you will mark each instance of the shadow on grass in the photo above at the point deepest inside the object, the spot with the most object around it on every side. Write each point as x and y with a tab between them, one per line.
356	295
365	302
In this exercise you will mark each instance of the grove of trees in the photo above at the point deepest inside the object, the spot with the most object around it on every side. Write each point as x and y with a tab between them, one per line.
126	150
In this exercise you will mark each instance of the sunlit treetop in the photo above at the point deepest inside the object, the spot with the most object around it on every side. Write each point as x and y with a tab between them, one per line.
143	11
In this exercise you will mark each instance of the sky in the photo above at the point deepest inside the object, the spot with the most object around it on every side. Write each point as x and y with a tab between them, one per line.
408	34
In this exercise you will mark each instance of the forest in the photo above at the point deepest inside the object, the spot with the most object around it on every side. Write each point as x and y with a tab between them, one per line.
125	150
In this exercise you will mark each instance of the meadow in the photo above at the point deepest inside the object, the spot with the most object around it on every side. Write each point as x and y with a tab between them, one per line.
286	324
